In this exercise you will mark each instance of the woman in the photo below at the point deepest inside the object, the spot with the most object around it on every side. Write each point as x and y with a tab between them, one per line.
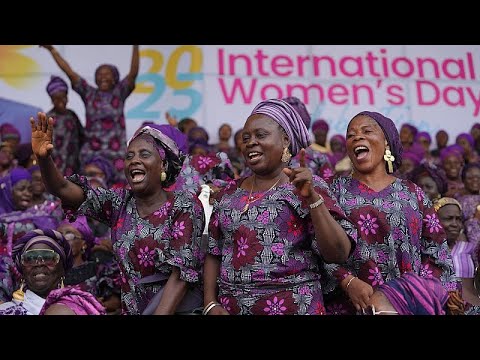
100	279
42	258
450	214
105	131
452	162
398	226
431	179
69	131
156	234
17	216
270	232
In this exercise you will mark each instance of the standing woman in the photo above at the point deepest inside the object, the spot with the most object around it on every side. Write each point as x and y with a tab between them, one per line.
399	230
155	234
104	108
271	232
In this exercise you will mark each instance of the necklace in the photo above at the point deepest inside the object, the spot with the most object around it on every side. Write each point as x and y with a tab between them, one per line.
252	199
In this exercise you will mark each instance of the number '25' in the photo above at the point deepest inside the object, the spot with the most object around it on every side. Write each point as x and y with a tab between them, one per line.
179	82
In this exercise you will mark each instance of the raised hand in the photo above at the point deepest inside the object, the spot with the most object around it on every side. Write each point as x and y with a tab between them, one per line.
170	119
42	135
301	177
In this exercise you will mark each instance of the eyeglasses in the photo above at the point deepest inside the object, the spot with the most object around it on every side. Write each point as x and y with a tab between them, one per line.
370	310
45	257
70	236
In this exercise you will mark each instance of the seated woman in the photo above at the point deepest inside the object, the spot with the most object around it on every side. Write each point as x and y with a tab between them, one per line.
71	301
18	216
98	278
41	258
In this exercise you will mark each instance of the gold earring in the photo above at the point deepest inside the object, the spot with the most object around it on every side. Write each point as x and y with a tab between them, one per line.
389	158
286	156
19	294
163	176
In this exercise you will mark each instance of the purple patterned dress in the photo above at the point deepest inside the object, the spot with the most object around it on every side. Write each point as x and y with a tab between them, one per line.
105	123
471	223
68	139
149	246
399	231
270	260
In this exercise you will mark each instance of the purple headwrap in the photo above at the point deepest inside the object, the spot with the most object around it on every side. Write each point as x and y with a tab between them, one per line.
56	84
407	154
427	169
411	294
8	131
103	164
51	238
33	168
468	137
412	129
6	188
80	302
113	68
425	135
298	105
289	119
391	134
320	124
176	135
475	126
198	133
23	153
82	226
199	143
455	150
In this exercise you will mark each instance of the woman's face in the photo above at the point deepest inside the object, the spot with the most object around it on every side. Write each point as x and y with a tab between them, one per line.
452	166
59	101
41	273
38	187
143	165
472	180
74	238
441	138
263	142
104	78
22	194
429	187
337	146
451	219
465	145
365	144
225	132
406	135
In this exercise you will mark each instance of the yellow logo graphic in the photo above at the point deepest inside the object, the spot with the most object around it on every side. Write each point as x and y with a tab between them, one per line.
15	68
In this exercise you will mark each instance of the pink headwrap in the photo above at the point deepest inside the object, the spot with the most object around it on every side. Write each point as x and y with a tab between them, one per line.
80	302
289	119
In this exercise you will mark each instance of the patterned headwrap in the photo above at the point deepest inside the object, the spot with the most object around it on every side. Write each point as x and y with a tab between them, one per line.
468	137
166	145
51	238
427	169
446	201
113	68
173	133
8	131
80	302
391	134
289	119
411	294
82	226
298	105
6	187
55	85
103	164
425	135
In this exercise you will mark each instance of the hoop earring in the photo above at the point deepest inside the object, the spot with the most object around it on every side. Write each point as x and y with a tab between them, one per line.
286	156
19	294
389	158
163	176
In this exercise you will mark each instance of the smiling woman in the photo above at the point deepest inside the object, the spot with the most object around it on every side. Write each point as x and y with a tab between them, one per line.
156	234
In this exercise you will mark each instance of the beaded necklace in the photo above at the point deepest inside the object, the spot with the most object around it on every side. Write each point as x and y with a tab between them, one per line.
252	199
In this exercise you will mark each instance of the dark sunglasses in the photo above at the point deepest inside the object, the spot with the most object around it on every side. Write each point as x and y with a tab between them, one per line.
45	257
370	310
